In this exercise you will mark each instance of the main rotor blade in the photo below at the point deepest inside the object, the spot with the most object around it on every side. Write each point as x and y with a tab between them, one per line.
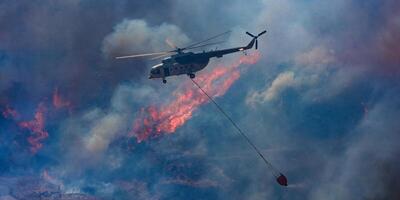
161	56
261	33
208	44
250	34
141	55
211	38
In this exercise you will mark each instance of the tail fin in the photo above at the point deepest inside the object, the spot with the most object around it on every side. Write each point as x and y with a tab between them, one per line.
254	40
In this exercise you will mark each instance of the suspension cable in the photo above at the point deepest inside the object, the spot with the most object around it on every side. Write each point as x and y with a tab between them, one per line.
275	172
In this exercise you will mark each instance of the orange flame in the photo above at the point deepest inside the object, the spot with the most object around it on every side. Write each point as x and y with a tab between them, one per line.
36	127
9	113
58	101
153	121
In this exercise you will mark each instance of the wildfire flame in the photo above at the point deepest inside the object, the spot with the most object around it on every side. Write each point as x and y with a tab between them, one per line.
9	113
36	127
153	121
58	101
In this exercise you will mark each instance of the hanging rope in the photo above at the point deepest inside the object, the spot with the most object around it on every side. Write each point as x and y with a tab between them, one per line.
279	176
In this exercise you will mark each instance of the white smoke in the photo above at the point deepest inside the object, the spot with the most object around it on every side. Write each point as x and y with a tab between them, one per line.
282	81
137	36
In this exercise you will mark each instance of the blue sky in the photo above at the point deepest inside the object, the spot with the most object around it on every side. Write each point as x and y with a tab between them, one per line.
322	102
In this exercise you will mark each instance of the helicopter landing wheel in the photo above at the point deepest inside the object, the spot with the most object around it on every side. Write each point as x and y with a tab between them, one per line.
192	76
164	81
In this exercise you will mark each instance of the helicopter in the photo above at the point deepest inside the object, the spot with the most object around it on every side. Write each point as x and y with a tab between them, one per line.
178	62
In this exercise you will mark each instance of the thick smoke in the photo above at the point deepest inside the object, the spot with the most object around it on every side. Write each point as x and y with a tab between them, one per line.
283	81
135	36
321	102
369	161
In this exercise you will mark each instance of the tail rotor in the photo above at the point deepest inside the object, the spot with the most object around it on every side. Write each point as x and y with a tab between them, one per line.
255	37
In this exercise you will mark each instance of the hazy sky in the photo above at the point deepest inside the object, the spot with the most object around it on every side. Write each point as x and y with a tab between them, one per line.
320	98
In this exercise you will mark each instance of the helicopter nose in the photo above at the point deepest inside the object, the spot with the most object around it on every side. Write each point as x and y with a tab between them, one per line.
151	75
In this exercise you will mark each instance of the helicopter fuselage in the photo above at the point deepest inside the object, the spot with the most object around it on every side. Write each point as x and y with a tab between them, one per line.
181	63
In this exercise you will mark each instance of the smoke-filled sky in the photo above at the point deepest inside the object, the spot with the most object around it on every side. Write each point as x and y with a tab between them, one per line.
321	98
